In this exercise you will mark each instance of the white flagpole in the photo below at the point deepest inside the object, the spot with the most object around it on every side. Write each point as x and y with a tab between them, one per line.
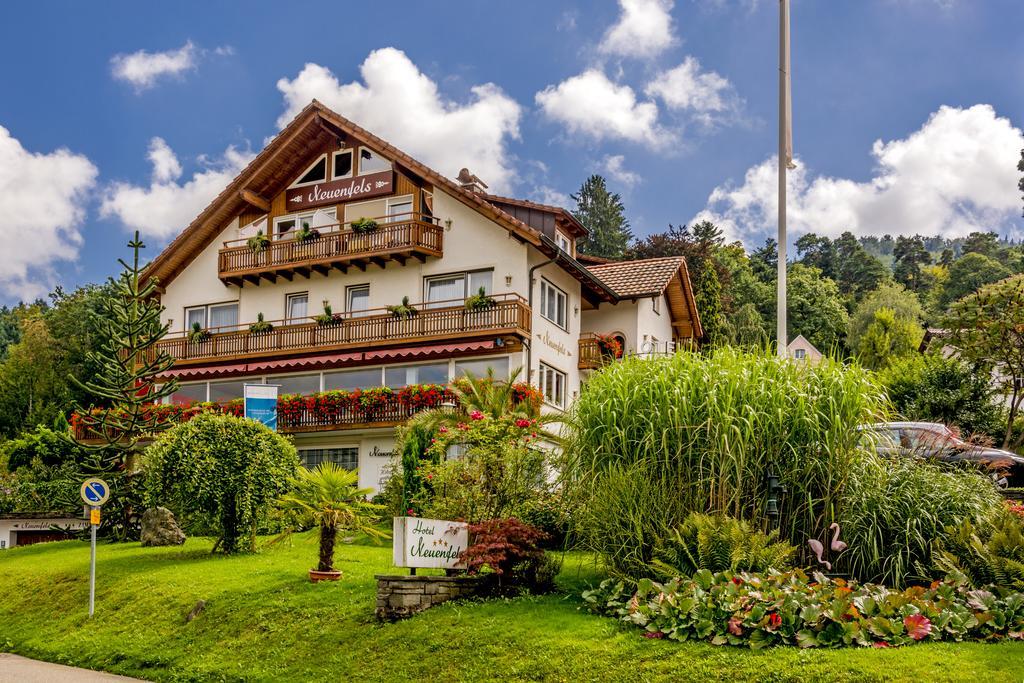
785	162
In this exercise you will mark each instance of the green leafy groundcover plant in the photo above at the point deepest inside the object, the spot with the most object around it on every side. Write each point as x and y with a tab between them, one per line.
760	610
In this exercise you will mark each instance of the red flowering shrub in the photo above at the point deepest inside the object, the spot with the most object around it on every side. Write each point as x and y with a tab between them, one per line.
609	345
512	550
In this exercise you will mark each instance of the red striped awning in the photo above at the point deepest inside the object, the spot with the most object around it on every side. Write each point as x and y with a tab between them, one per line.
304	361
427	351
203	371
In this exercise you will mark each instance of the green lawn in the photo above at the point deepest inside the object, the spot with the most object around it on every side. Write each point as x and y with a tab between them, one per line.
265	621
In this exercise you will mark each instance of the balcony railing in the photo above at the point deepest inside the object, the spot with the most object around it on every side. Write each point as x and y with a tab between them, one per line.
334	246
325	411
592	355
434	321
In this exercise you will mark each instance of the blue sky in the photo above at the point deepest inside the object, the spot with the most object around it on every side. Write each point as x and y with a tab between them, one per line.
115	118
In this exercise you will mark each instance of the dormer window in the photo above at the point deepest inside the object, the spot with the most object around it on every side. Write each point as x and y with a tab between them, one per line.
315	173
370	162
563	242
342	166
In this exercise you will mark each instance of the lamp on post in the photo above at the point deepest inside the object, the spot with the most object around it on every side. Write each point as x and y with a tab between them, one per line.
774	489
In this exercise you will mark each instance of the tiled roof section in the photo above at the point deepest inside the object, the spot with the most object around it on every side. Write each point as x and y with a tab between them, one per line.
638	278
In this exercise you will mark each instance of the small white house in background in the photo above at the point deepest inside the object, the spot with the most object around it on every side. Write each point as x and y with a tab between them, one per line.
802	350
37	527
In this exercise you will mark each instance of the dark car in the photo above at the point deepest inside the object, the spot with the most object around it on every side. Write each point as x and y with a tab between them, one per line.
933	440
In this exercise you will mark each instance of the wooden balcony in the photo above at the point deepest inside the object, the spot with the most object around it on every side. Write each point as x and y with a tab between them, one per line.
591	355
335	247
374	328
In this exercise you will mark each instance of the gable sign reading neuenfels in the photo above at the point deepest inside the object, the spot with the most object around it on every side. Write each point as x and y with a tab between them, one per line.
429	542
337	191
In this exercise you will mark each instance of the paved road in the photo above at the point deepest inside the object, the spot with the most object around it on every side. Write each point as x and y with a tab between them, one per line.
15	669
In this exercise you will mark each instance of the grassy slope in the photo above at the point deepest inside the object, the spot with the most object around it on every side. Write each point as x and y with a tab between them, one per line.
265	621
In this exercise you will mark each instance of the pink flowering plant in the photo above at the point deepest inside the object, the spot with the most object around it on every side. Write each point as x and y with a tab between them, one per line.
761	610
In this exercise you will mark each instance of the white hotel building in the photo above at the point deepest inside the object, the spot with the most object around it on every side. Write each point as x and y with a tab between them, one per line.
436	242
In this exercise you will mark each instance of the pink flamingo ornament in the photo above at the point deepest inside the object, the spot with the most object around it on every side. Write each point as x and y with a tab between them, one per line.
836	545
819	550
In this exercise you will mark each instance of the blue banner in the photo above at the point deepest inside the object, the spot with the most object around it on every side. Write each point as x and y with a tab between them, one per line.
261	403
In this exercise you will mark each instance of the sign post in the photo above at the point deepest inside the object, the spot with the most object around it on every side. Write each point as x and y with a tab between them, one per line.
95	493
435	543
261	403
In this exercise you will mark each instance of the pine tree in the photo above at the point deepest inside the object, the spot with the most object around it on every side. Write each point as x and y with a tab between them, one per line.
128	360
603	213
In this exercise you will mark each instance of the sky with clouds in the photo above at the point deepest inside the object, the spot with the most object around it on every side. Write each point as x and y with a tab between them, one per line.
907	113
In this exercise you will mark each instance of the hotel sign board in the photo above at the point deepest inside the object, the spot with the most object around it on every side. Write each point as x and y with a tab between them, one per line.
342	190
429	543
260	403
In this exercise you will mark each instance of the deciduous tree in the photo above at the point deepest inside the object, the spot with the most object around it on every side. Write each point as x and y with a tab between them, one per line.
987	330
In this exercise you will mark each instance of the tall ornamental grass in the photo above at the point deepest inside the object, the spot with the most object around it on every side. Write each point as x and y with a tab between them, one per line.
897	510
653	440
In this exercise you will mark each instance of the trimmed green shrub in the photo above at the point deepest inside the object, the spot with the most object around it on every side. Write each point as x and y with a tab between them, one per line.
756	610
655	439
719	543
44	444
220	471
894	509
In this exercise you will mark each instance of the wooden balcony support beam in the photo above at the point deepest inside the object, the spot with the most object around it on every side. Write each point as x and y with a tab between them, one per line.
256	200
377	260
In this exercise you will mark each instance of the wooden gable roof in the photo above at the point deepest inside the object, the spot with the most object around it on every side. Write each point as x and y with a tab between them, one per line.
277	162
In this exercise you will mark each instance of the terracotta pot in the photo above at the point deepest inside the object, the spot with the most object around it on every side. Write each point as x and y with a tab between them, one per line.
317	576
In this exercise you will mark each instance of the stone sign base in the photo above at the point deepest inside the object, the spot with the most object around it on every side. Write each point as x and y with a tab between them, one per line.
400	597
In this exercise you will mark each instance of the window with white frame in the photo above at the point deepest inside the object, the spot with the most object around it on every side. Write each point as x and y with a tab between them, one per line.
286	226
426	373
800	354
357	299
346	456
479	367
230	390
189	392
447	289
347	380
341	166
553	304
297	384
400	209
296	307
212	316
552	385
563	242
314	173
371	162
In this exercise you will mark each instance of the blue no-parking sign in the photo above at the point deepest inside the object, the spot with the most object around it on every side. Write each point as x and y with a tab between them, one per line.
261	403
95	492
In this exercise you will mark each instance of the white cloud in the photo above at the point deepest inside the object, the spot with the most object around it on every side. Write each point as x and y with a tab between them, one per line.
591	105
552	197
705	94
142	69
613	165
644	29
954	175
42	205
402	105
167	206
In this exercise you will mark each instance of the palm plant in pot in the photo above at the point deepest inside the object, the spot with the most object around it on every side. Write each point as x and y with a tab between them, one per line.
329	497
404	310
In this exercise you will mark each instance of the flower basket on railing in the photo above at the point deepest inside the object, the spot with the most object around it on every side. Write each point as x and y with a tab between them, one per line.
197	335
328	318
258	243
609	346
363	226
480	301
404	310
305	234
261	326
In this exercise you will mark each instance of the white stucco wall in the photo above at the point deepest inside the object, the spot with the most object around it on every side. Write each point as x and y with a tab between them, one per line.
198	283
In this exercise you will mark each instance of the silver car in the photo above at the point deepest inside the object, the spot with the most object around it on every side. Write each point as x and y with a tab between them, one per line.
934	440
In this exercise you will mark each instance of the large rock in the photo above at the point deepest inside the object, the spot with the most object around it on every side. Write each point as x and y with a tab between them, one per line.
159	528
